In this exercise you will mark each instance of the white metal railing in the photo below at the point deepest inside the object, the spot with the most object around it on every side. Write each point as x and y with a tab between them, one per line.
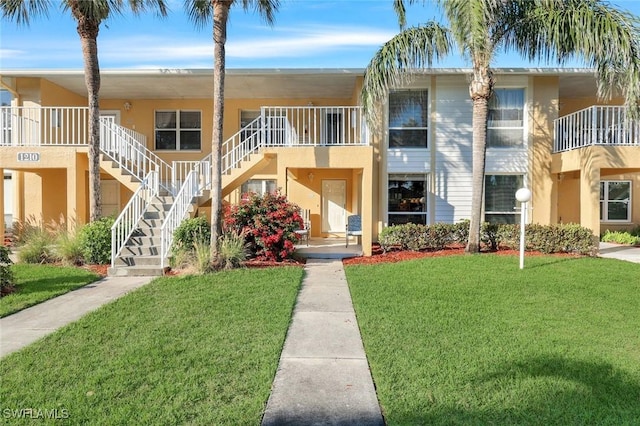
311	125
596	125
239	146
36	126
127	222
183	199
296	126
180	170
129	151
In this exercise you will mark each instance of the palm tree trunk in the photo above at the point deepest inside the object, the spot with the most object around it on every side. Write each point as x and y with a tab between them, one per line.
88	30
220	17
480	89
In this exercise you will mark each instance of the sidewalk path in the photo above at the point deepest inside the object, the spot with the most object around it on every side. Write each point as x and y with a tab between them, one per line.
323	377
25	327
621	252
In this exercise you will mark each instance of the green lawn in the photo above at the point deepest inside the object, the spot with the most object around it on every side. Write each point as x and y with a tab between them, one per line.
474	340
37	283
181	350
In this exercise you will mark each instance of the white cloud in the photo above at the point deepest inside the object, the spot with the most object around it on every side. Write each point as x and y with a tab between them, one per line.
307	42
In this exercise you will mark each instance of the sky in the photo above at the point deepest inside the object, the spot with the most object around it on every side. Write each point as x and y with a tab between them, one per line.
306	34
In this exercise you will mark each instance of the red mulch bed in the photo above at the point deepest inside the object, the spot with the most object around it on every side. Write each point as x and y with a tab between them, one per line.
98	269
377	256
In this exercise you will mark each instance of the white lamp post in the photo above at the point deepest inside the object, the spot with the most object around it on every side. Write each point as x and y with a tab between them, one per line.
523	195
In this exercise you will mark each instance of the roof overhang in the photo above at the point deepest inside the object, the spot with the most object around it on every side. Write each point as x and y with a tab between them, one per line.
265	83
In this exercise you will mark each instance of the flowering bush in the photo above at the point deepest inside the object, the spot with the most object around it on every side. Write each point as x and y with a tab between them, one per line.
268	223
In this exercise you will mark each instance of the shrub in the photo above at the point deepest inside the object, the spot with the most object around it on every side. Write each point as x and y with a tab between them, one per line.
95	241
190	232
7	280
390	238
232	250
620	237
569	238
461	232
268	223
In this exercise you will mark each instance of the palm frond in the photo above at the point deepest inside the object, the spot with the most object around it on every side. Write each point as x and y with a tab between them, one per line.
200	12
413	48
140	6
265	8
22	11
603	37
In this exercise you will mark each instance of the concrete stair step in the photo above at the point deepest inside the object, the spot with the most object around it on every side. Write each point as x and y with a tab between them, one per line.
138	260
140	250
135	271
143	240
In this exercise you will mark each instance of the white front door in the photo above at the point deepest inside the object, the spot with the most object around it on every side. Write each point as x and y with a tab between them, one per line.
110	195
334	196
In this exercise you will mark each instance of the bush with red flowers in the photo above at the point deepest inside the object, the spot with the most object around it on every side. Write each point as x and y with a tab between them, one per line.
269	223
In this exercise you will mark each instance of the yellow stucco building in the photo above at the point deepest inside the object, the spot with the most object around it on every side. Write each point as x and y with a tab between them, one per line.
303	131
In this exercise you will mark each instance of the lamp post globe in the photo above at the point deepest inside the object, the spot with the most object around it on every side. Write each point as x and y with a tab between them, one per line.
523	195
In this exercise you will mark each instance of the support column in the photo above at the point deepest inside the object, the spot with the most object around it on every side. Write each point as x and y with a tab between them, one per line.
590	198
72	195
2	224
367	208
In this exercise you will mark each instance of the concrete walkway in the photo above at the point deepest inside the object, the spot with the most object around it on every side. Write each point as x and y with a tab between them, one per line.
323	377
27	326
617	251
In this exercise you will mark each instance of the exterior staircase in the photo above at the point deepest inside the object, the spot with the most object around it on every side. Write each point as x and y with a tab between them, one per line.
140	255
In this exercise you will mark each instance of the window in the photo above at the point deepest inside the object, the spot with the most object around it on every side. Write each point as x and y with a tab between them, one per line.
178	130
5	118
407	199
259	186
408	119
615	201
505	125
500	198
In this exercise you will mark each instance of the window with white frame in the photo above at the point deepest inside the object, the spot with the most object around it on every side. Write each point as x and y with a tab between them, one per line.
500	204
407	199
259	186
615	201
505	125
408	119
178	130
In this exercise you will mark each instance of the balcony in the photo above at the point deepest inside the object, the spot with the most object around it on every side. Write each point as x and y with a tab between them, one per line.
275	127
596	126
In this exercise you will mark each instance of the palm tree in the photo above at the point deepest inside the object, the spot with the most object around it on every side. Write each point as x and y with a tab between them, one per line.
89	14
603	37
201	12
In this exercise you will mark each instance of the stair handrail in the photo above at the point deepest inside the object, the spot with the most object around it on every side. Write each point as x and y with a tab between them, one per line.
183	199
120	145
127	221
243	143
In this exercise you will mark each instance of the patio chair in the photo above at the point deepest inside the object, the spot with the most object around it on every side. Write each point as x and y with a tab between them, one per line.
305	232
354	227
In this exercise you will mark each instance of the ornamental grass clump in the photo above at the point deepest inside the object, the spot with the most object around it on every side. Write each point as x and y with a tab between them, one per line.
268	222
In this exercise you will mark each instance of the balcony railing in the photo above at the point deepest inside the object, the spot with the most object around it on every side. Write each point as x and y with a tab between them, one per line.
313	126
38	126
596	125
